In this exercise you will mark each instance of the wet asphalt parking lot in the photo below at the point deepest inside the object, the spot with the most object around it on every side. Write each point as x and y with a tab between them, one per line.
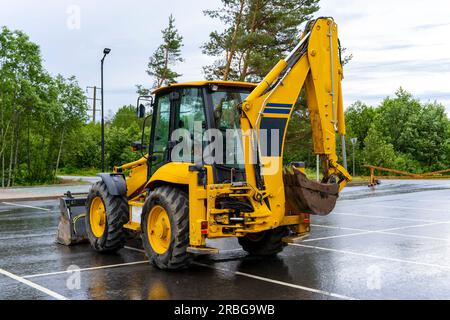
388	243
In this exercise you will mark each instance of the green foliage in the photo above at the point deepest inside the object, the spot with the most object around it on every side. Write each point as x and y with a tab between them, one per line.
119	150
298	145
257	34
395	116
142	91
165	56
43	127
359	118
83	148
377	150
402	133
84	172
37	111
125	117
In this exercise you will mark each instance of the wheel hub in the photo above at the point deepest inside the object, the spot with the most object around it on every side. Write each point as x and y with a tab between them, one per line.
97	217
158	229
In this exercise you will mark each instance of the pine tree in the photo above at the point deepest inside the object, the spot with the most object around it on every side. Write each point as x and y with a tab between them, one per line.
232	15
258	33
167	55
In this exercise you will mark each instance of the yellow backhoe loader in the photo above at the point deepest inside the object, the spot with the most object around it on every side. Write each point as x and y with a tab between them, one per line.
178	202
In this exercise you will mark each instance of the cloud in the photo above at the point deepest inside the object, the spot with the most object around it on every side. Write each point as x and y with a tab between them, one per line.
403	66
390	49
431	26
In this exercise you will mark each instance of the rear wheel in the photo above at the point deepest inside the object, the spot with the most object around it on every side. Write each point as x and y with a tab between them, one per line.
106	215
265	243
165	228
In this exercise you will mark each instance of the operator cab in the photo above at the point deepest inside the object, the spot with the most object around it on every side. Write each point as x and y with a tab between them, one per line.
198	107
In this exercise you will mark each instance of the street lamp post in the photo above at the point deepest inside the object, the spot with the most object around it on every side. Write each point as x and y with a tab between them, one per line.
354	141
106	51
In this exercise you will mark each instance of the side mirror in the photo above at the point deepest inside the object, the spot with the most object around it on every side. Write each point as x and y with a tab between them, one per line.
137	146
141	111
140	107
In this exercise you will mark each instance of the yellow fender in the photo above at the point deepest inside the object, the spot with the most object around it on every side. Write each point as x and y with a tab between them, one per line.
175	173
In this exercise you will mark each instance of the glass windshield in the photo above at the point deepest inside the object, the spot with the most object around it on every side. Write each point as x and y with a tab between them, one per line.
226	115
226	102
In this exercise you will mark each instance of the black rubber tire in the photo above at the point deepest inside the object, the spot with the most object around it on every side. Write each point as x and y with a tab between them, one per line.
269	243
117	214
176	203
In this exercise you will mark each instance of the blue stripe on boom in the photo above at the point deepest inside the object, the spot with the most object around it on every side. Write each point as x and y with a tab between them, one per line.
279	105
277	111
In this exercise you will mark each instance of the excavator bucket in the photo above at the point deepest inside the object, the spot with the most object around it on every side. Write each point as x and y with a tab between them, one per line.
306	196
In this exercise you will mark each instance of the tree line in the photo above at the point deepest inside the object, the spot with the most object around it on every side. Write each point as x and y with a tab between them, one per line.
401	133
256	34
44	127
37	113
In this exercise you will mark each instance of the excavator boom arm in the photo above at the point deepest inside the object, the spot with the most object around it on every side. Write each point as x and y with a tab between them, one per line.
315	66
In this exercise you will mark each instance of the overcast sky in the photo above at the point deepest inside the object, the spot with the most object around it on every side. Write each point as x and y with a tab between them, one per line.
394	43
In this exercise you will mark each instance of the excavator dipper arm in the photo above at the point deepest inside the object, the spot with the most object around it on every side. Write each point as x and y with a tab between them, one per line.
315	66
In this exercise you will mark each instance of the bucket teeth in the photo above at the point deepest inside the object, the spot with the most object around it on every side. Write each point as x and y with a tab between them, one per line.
306	196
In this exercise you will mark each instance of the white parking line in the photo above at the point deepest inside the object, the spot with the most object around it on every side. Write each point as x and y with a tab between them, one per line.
339	236
409	208
282	283
220	251
381	217
25	206
386	232
134	249
33	285
415	237
337	228
431	200
85	269
28	236
335	295
372	256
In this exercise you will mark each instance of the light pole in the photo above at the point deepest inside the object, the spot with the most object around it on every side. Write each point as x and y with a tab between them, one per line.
106	51
354	141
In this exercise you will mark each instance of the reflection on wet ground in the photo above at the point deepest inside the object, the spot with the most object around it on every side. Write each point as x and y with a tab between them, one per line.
388	243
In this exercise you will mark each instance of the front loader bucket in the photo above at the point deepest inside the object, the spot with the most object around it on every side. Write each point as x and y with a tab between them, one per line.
306	196
71	228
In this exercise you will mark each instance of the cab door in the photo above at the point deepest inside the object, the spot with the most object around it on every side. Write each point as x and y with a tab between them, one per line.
189	117
179	108
159	137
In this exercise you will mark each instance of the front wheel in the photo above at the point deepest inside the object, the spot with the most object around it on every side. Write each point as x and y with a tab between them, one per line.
265	243
105	216
165	228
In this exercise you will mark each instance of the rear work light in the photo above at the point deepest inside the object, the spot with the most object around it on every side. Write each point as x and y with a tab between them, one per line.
204	227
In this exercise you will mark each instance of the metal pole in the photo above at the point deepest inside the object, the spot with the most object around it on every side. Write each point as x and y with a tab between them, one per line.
354	166
95	103
318	168
354	141
344	152
106	51
103	119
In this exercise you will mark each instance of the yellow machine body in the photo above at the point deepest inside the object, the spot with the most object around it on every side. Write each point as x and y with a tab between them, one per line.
314	66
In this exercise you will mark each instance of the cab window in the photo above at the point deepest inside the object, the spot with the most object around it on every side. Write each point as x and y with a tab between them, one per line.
161	132
190	115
